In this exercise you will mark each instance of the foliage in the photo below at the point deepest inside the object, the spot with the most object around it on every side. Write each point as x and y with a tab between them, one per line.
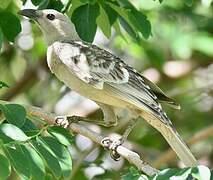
156	31
3	84
9	24
198	173
42	150
85	13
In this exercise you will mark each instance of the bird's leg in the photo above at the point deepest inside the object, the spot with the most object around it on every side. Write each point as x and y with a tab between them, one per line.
110	118
129	129
65	121
113	144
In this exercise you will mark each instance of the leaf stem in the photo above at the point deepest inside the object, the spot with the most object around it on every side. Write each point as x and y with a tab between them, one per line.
66	7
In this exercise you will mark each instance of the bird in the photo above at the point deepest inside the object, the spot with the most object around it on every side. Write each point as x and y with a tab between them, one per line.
97	74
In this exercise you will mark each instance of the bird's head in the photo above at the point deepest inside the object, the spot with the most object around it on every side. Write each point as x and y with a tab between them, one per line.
54	25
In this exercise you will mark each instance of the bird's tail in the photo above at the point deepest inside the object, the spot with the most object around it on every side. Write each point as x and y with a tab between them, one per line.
173	138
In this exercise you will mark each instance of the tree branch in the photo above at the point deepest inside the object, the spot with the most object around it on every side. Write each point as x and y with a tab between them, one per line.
129	155
29	78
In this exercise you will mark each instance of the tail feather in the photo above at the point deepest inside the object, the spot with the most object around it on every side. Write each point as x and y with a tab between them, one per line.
173	138
179	146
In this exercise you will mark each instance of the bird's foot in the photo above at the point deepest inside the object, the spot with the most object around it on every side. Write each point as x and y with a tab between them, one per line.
62	121
65	121
112	145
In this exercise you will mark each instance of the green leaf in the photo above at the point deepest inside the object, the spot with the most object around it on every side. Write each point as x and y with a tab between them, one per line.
129	29
51	161
10	25
75	5
36	163
4	4
49	176
19	161
14	114
111	13
50	4
132	174
137	18
1	42
201	172
9	132
126	4
84	18
188	2
55	4
61	153
140	21
182	173
5	168
36	2
122	12
24	1
125	21
29	126
2	84
132	19
164	174
104	23
202	42
82	176
117	28
43	4
61	134
160	1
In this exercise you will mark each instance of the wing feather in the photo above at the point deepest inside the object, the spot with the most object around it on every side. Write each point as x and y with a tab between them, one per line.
89	64
99	67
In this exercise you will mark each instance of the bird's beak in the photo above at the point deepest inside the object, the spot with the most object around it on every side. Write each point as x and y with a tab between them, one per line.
30	13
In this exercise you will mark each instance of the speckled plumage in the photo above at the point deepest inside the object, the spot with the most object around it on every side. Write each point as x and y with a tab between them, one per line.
101	76
98	67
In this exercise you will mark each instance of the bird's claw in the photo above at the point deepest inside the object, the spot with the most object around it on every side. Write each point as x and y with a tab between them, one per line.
112	145
62	121
65	121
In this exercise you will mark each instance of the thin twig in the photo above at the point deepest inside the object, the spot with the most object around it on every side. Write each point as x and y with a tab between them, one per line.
79	161
169	155
129	155
29	78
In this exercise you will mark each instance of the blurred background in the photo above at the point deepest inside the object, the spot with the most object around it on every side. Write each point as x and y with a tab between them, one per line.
178	57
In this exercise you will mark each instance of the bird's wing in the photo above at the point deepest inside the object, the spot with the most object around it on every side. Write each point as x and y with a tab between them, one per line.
99	67
91	64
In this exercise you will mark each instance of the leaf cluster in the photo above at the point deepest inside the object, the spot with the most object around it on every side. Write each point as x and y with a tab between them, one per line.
31	152
191	173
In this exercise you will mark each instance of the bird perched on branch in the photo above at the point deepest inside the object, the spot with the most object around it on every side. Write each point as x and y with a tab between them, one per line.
104	78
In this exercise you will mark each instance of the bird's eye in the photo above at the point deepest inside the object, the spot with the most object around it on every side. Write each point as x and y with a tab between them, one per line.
50	16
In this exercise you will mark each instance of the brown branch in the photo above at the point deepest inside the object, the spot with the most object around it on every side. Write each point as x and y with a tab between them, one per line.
169	155
129	155
29	78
